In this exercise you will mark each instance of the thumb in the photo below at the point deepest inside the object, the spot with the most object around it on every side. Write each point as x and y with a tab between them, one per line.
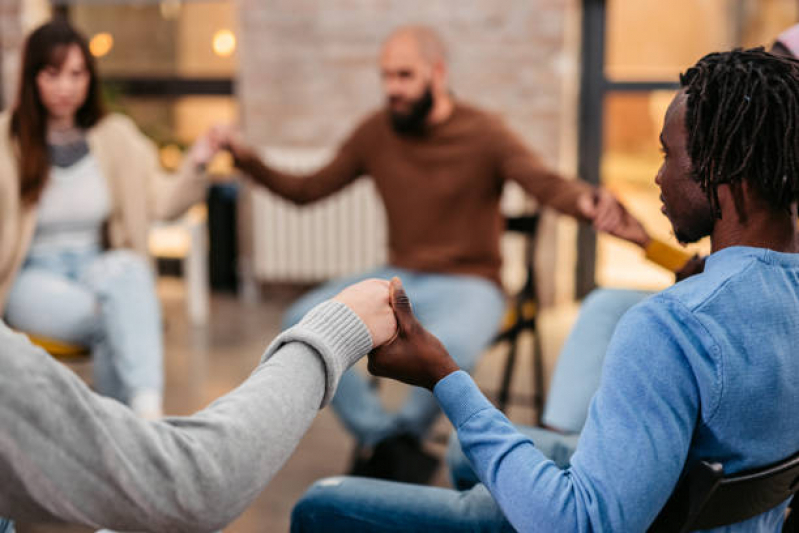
586	204
401	304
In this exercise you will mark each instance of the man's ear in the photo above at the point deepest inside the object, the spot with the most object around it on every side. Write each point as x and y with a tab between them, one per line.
440	77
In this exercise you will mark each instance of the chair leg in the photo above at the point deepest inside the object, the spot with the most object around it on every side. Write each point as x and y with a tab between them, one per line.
507	373
538	378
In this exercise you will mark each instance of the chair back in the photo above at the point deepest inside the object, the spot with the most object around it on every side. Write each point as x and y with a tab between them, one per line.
707	499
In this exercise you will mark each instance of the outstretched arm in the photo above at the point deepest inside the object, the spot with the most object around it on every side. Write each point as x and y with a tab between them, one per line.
346	167
69	454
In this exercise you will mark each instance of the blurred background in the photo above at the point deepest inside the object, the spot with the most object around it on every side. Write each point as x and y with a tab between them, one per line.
585	82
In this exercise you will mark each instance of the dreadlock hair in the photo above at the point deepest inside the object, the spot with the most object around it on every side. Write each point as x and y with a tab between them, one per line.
742	120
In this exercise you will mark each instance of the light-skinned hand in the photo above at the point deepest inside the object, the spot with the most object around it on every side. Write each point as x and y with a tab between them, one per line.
415	356
369	300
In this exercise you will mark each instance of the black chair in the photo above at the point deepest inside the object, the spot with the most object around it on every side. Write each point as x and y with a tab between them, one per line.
706	498
521	318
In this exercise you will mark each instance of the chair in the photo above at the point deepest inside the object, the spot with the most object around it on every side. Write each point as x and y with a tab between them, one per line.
521	318
62	351
706	498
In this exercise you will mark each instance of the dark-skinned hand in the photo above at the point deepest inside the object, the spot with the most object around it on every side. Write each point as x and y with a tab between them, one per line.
695	265
415	356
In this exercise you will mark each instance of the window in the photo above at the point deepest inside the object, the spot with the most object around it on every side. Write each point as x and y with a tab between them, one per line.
633	53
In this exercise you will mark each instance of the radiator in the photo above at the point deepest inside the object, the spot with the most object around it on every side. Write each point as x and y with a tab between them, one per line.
339	235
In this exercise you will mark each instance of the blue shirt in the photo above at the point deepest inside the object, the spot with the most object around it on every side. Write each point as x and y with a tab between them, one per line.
708	369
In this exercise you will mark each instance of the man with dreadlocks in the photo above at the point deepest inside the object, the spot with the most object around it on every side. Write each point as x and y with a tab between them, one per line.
707	369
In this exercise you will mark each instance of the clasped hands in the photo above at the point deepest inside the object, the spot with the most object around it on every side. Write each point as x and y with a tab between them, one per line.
402	348
217	138
607	214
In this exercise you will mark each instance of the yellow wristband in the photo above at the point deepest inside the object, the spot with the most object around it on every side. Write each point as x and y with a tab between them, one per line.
666	255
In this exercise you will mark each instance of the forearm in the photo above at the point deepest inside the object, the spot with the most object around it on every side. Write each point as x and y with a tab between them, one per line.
72	455
174	194
301	190
532	491
549	188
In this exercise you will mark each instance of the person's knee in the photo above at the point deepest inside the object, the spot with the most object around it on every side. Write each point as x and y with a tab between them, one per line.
309	512
300	308
454	455
461	473
293	315
120	265
612	301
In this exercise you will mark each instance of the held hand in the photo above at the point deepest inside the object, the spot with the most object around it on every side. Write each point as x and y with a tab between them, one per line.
415	357
369	300
608	215
205	148
230	139
695	265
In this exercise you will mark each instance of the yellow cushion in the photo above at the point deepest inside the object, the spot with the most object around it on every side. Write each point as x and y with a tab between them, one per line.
59	349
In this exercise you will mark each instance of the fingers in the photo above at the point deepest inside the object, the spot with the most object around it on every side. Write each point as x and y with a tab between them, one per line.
400	302
586	204
609	212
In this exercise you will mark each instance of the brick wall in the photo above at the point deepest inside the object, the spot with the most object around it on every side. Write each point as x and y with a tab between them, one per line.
308	73
10	42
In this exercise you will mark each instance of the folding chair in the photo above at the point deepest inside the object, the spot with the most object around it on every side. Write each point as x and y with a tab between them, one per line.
707	499
521	318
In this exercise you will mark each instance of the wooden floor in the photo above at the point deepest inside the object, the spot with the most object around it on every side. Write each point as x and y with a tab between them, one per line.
205	363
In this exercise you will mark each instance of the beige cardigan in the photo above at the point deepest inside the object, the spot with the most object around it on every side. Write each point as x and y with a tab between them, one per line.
140	192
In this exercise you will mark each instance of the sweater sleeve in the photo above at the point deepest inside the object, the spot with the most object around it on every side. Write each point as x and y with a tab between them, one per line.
168	195
518	163
631	452
347	165
69	454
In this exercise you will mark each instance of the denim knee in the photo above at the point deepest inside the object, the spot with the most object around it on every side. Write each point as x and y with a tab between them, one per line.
293	315
461	473
310	510
119	266
610	300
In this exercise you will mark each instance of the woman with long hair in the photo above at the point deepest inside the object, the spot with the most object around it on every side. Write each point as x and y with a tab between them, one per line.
78	190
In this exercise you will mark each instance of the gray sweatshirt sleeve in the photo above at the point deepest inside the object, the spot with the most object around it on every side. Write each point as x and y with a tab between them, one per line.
69	454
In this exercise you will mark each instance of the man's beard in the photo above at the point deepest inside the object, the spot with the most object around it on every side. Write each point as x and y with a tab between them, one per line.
413	121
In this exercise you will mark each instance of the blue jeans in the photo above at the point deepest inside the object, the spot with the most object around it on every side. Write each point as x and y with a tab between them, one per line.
464	312
6	526
354	504
351	505
579	365
104	300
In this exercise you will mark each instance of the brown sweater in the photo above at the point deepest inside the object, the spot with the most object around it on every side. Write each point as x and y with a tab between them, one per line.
441	191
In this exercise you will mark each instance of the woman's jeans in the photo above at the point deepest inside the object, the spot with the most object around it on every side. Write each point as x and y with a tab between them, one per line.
103	300
464	312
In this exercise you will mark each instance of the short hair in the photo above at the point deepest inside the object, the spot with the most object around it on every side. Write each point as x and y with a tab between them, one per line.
742	121
431	45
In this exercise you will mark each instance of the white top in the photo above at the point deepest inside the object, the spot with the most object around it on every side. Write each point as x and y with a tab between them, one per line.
74	204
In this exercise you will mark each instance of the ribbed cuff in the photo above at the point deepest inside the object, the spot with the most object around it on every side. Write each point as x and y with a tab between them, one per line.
335	331
459	397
